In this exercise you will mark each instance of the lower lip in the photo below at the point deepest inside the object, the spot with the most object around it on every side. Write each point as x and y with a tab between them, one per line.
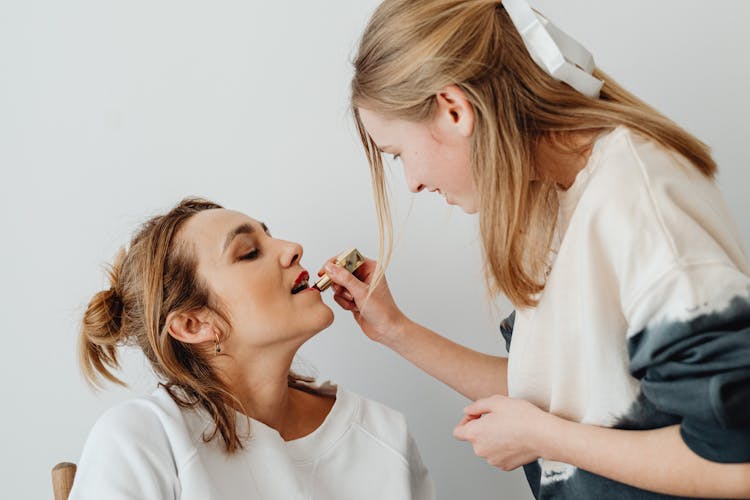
308	290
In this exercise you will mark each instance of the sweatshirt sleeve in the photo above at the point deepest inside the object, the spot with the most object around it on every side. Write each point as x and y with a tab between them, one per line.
692	356
126	456
421	483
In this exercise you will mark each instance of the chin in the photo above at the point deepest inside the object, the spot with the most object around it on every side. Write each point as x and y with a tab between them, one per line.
329	317
321	319
470	210
467	204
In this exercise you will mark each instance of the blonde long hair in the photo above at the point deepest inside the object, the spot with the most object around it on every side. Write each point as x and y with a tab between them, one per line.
412	49
157	276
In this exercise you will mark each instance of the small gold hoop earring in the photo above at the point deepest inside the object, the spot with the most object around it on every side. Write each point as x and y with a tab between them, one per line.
217	345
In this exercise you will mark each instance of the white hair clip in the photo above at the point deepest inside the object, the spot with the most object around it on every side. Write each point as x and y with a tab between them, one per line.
553	50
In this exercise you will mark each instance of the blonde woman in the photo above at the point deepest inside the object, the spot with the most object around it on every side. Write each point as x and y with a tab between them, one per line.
220	307
628	373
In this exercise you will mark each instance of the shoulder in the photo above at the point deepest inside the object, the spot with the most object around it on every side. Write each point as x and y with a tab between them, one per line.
650	209
628	169
633	174
134	450
631	156
140	415
389	442
378	418
383	424
152	422
653	225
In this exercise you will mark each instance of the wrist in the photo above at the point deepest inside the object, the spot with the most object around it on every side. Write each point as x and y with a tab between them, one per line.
396	332
550	439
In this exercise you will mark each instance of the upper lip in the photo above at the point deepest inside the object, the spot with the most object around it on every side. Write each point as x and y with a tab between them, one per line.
304	276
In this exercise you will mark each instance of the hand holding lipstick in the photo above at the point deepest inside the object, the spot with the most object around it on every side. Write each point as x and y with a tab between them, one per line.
377	315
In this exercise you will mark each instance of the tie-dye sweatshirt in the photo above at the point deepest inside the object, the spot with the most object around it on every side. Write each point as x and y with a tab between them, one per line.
645	318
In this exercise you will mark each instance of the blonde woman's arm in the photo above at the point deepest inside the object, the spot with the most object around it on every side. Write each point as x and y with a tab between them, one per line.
470	373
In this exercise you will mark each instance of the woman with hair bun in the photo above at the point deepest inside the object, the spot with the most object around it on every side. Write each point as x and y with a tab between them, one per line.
628	373
219	307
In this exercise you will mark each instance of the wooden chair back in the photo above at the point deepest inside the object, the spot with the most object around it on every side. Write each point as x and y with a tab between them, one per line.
62	479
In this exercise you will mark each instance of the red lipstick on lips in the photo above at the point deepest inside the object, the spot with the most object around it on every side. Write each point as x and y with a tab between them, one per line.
304	275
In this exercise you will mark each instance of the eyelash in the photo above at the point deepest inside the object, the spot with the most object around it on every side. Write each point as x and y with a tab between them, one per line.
396	157
250	255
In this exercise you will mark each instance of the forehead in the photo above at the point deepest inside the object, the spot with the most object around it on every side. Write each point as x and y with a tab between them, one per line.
387	132
380	128
207	230
376	123
372	119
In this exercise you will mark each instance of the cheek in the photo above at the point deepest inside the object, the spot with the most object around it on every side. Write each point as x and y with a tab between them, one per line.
422	151
461	172
259	299
247	297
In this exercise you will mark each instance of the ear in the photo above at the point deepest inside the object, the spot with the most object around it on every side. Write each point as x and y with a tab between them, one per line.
454	113
192	327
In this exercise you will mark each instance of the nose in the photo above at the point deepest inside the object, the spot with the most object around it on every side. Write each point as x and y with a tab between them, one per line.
413	185
411	179
291	254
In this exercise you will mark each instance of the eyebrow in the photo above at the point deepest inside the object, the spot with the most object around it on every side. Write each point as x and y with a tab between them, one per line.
382	149
245	228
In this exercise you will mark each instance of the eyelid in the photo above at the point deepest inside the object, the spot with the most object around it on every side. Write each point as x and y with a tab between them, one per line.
251	254
251	243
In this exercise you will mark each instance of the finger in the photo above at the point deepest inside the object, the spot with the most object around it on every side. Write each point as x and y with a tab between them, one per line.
346	304
344	297
322	270
366	270
342	277
481	406
460	432
468	418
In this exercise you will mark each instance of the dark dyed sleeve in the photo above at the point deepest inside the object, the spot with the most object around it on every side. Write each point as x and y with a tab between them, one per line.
506	329
693	360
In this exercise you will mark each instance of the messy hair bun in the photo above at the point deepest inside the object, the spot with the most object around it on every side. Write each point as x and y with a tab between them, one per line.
102	328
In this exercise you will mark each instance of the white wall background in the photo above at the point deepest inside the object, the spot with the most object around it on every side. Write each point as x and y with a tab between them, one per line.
114	110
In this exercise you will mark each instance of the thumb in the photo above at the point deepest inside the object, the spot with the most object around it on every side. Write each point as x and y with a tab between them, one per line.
342	277
461	432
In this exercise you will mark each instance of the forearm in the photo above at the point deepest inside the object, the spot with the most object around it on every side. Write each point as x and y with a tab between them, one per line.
471	373
655	460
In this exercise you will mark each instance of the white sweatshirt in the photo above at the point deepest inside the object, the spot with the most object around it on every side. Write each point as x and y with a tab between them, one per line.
150	448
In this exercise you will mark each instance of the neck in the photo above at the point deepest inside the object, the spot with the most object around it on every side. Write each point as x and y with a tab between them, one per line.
260	382
560	161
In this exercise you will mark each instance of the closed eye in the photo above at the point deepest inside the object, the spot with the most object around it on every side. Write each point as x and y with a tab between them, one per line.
252	254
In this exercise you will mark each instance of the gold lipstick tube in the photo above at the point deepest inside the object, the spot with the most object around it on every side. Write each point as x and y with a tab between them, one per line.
349	260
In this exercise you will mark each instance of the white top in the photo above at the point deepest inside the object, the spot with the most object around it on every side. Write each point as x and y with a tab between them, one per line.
151	448
645	318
